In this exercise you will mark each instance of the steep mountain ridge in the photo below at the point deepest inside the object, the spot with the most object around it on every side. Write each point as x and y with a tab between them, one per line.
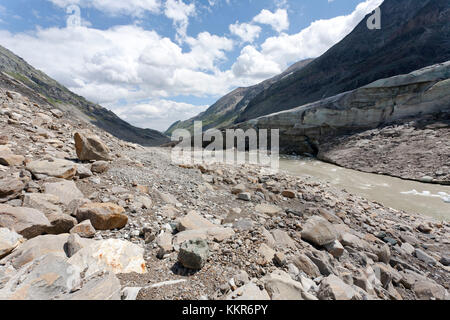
227	109
16	74
414	34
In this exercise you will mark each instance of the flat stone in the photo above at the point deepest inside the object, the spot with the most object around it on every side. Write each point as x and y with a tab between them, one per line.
319	231
408	248
194	254
217	234
335	248
103	216
333	288
46	278
100	167
10	188
38	247
113	255
11	160
423	256
27	222
249	292
246	196
57	168
350	240
84	229
270	210
103	286
9	240
427	290
283	240
290	194
66	191
240	188
193	221
306	265
266	254
280	286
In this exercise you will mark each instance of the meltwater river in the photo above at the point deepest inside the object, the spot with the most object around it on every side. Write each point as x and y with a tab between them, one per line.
410	196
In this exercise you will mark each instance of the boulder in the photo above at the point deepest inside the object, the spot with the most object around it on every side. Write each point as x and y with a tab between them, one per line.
350	240
164	242
100	167
335	248
217	234
113	255
319	231
9	240
57	168
283	240
423	256
194	254
306	265
270	210
46	278
27	222
103	216
333	288
10	188
100	286
290	194
66	191
84	229
249	292
9	159
38	247
265	254
193	221
90	147
427	290
280	286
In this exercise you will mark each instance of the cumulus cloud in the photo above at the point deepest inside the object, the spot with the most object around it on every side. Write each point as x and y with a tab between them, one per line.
246	31
179	12
278	20
130	64
311	42
160	113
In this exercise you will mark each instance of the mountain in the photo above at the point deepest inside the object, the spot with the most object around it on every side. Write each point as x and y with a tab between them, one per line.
414	34
227	109
18	75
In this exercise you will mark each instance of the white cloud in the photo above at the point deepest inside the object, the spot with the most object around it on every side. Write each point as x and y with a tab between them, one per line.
179	13
160	113
311	42
115	7
133	64
278	20
247	32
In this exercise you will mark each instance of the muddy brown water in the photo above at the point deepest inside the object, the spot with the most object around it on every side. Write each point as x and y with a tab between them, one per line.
410	196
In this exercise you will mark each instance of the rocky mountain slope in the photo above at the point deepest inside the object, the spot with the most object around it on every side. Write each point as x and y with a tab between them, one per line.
18	75
84	215
322	127
227	109
414	34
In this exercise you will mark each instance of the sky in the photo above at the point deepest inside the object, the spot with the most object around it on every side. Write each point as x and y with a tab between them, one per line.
154	62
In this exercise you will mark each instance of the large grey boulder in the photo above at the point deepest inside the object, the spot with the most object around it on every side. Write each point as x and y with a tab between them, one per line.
58	168
9	240
10	188
66	191
27	222
45	278
319	231
194	254
90	147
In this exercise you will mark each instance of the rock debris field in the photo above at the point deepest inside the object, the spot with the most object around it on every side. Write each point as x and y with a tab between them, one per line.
86	216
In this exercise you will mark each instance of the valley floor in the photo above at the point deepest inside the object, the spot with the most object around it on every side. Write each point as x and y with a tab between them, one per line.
270	235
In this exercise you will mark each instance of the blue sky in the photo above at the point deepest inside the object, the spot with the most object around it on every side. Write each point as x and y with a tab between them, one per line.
157	61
